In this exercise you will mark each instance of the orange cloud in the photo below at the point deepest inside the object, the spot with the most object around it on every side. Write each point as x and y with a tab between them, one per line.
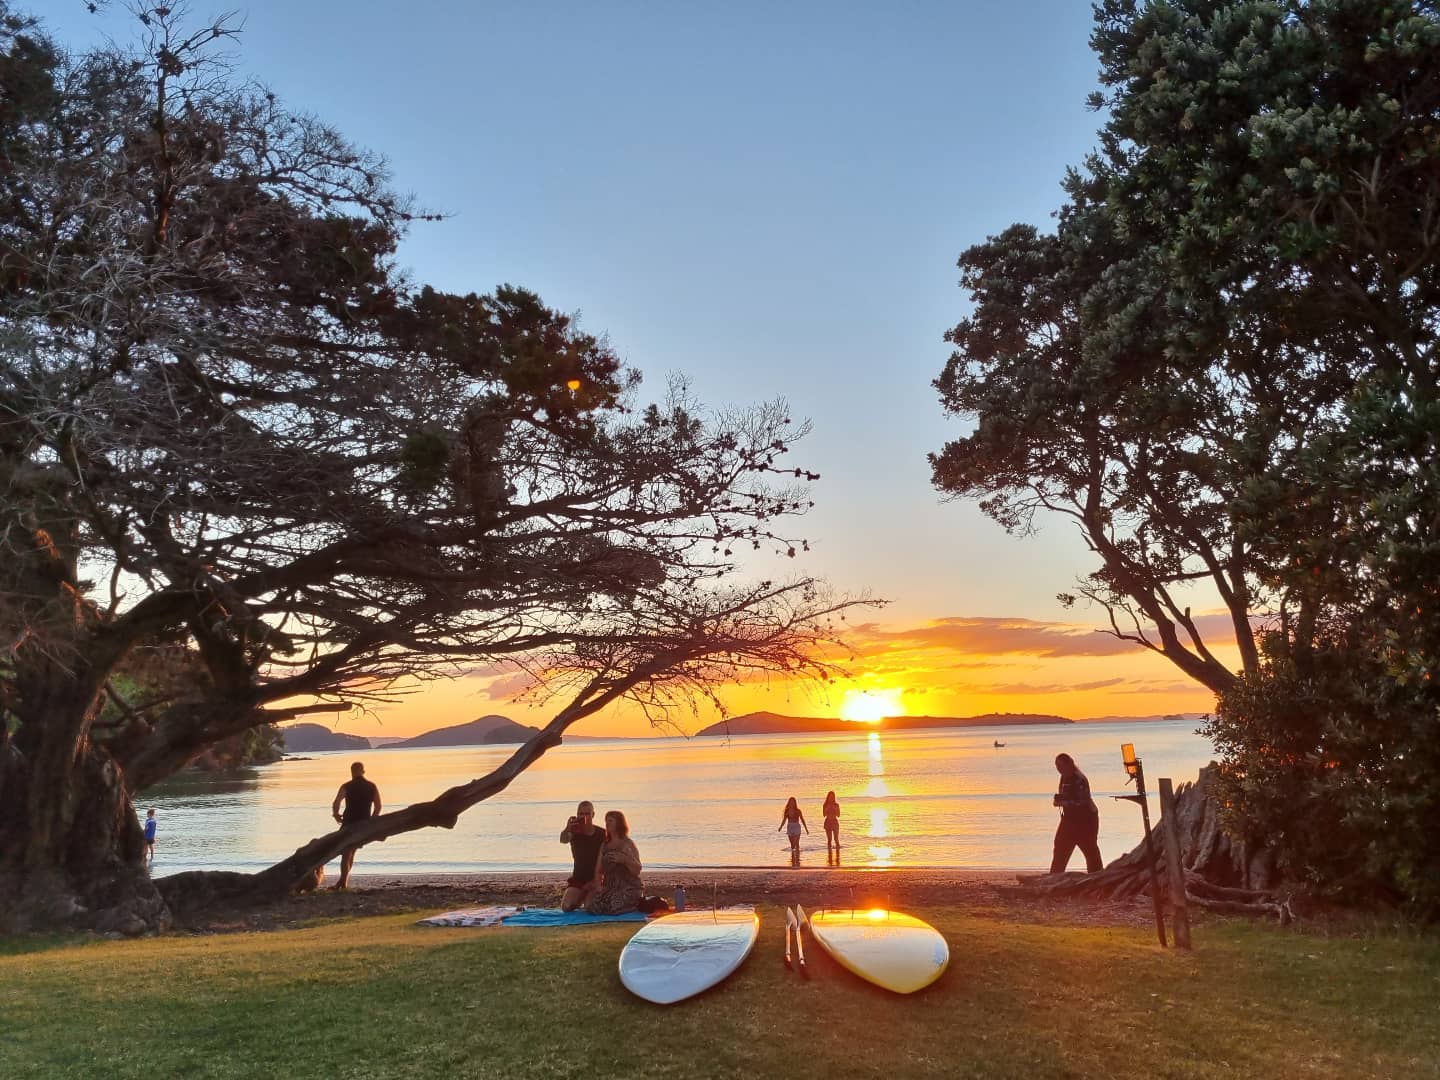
1047	688
950	666
1007	636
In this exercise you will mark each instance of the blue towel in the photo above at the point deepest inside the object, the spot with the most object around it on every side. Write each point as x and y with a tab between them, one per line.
556	917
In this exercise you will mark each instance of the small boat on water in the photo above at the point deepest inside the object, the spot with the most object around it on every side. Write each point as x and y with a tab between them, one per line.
998	744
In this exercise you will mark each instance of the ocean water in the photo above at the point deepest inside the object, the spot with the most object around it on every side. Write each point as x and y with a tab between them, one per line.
940	798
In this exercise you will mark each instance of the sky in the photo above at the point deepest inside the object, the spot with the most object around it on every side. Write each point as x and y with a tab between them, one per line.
770	199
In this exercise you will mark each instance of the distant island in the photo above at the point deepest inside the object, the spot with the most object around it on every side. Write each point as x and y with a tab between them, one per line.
485	731
1161	718
305	738
768	723
498	730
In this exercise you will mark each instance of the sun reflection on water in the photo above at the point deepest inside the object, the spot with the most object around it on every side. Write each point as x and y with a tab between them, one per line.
879	822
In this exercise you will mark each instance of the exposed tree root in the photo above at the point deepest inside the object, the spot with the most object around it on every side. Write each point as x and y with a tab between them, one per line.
1219	874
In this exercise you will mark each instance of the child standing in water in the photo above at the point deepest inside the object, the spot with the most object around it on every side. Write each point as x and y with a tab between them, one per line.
150	835
831	810
792	820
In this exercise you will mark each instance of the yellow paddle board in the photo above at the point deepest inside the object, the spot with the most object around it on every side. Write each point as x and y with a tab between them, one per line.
896	951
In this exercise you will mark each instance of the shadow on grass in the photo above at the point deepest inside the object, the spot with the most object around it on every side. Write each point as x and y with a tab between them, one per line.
40	943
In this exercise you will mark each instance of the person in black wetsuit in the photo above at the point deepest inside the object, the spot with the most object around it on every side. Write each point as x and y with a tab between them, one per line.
1079	818
362	802
585	839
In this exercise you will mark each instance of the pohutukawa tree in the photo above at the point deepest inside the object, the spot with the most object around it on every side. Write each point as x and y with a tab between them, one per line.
249	471
1222	366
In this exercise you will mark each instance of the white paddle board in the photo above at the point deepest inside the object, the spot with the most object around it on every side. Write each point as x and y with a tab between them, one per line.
899	952
677	956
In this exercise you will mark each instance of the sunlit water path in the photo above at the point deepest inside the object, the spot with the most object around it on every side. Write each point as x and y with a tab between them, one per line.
919	798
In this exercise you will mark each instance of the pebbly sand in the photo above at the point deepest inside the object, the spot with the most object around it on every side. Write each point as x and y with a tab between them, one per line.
982	892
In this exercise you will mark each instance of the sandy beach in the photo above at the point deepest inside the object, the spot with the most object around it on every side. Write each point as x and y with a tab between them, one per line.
985	892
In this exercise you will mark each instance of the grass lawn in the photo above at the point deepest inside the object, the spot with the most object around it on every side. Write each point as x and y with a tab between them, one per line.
381	997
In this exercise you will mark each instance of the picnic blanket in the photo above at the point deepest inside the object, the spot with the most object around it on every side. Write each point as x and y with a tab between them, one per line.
556	917
508	915
475	916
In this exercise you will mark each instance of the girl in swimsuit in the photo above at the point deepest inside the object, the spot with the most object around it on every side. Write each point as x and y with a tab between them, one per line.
792	821
831	810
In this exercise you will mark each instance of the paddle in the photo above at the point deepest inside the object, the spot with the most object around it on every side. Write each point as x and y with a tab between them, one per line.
799	917
790	925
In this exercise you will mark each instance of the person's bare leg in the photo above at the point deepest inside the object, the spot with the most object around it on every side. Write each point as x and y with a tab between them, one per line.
573	898
347	860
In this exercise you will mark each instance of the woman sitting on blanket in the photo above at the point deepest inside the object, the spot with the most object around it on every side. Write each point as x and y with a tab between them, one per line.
617	869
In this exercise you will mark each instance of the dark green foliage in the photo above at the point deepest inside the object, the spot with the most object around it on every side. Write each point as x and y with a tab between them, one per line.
1223	367
1333	747
238	445
1334	762
257	746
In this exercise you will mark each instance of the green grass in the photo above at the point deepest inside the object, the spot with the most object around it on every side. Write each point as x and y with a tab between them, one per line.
380	997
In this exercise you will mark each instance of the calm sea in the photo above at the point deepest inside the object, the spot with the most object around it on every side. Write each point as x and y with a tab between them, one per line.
920	798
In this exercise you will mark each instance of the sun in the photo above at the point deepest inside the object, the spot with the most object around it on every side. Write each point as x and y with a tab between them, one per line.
870	706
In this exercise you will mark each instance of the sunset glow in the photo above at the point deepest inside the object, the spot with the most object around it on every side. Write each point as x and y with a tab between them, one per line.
869	706
1009	665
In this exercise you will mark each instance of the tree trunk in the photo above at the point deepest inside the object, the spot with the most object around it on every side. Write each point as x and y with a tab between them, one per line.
80	862
72	853
197	889
1218	873
72	850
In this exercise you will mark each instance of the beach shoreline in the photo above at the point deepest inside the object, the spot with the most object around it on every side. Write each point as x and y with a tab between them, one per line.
685	874
981	892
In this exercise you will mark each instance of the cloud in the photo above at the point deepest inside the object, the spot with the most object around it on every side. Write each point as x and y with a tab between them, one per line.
1046	688
489	669
1008	637
1164	688
509	686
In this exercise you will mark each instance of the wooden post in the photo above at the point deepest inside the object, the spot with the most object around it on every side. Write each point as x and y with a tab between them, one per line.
1179	910
1140	797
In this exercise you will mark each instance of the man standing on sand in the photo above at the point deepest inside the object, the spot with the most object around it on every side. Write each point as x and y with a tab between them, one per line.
1079	818
362	802
584	838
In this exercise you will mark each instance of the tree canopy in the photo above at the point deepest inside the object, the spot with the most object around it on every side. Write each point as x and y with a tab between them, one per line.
1222	366
233	432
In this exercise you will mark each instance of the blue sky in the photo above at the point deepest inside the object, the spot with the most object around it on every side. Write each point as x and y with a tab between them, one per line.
769	198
